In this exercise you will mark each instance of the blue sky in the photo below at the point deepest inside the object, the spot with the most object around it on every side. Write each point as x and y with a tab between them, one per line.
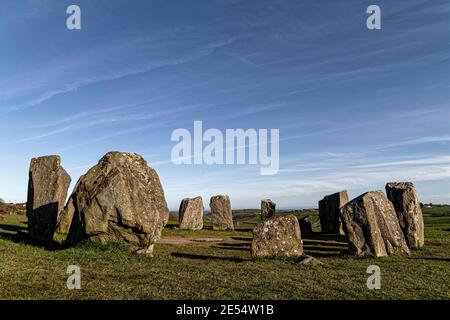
355	108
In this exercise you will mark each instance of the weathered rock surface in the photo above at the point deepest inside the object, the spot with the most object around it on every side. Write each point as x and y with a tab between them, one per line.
372	227
277	236
47	192
120	198
305	224
267	209
310	261
404	197
191	214
65	219
329	212
221	214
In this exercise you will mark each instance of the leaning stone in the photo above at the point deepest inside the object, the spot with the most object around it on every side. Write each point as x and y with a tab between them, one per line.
47	192
221	214
407	206
329	212
191	214
372	227
120	198
277	237
267	209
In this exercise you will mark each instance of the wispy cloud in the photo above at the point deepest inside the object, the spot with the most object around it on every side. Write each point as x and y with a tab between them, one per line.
58	74
127	117
418	141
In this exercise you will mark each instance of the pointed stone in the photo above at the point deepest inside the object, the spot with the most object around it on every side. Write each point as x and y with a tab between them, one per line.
404	197
47	192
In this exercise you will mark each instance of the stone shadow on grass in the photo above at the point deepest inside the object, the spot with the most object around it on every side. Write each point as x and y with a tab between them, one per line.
235	245
22	237
203	257
242	239
430	258
231	248
14	228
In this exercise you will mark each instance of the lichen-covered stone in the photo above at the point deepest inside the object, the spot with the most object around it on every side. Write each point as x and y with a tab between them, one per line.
47	192
191	214
267	209
407	206
277	237
372	227
221	214
120	198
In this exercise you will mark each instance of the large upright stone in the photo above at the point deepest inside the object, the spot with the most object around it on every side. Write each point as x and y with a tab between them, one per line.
47	192
267	209
329	212
277	237
191	214
120	198
372	227
407	206
221	214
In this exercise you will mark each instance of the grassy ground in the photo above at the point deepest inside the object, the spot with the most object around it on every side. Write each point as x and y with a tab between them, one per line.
221	270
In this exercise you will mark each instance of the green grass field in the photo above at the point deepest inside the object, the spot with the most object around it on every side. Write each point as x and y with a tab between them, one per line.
186	269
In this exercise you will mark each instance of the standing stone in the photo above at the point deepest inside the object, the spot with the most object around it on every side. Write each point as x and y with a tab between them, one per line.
372	227
120	198
305	224
277	236
267	209
221	214
191	214
407	206
329	212
65	219
47	192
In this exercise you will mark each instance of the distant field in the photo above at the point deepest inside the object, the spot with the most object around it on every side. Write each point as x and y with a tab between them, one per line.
184	269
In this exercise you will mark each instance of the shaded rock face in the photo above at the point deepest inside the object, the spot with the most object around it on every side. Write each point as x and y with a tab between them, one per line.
221	214
329	212
65	219
372	227
305	224
404	197
191	214
47	192
121	198
277	237
267	209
